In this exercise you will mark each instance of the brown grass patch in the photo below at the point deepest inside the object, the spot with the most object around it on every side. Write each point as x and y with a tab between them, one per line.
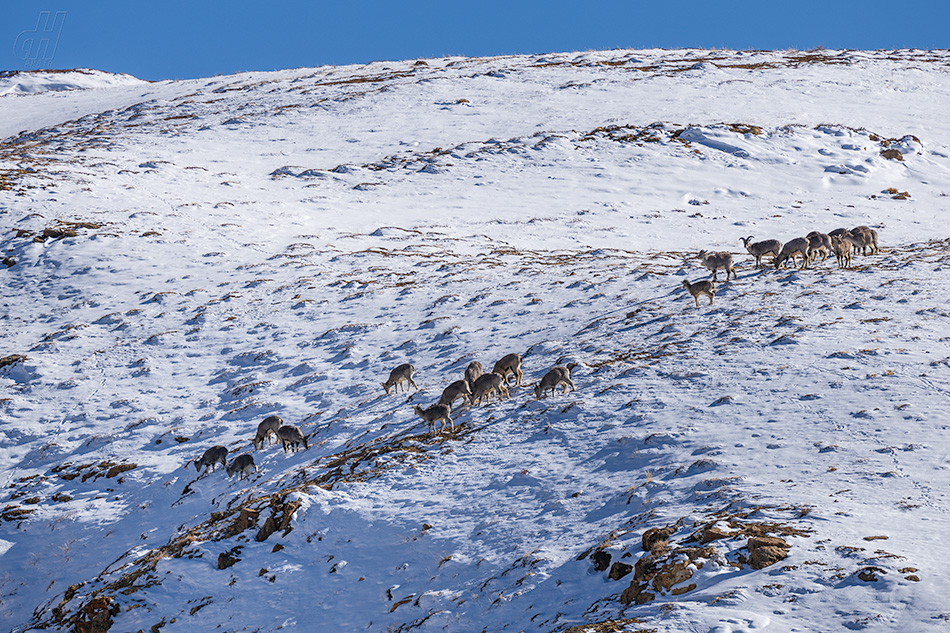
12	359
610	626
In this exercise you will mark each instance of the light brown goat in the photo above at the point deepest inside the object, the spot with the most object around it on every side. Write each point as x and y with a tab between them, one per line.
865	238
760	249
819	243
841	246
487	384
715	261
265	430
704	287
556	376
458	389
401	374
509	364
435	413
243	465
291	437
472	372
212	457
797	246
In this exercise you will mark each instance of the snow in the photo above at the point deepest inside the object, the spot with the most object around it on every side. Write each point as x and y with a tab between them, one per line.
37	81
222	250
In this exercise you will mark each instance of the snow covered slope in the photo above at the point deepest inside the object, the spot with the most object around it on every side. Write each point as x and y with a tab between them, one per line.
187	258
37	81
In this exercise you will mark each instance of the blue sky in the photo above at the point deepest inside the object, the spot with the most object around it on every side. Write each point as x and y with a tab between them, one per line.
174	39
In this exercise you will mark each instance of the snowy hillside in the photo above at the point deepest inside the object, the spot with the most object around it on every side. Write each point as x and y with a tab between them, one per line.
36	81
184	259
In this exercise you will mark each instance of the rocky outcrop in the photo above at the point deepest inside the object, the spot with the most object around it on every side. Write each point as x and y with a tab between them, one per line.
601	560
653	536
766	550
96	615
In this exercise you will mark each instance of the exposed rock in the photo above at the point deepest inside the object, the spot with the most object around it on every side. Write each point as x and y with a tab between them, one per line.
607	626
645	596
695	553
644	567
118	469
269	527
15	513
244	520
673	574
58	233
870	574
643	571
247	518
713	534
288	513
96	615
662	569
601	560
618	570
12	359
767	541
655	535
892	154
766	550
681	590
80	225
635	593
225	560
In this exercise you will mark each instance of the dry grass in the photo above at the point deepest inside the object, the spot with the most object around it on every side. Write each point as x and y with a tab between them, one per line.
12	359
609	626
